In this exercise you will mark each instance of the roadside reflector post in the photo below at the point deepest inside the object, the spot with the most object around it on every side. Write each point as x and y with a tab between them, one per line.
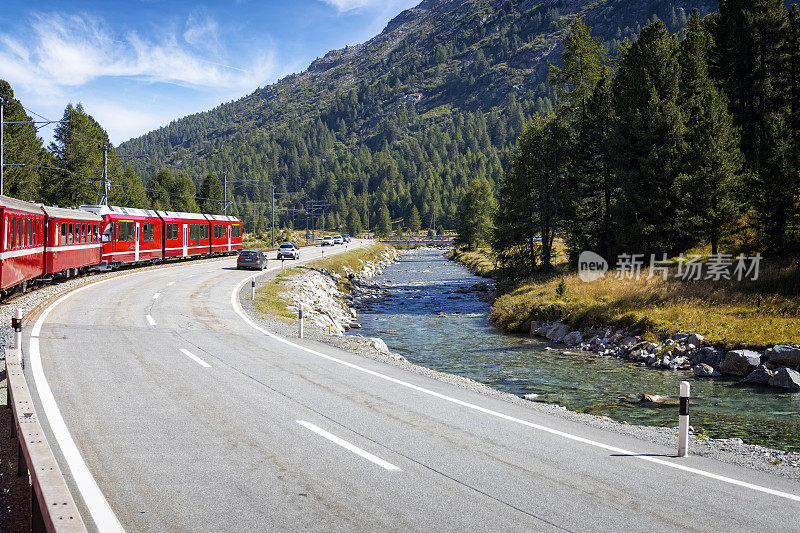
300	316
16	324
282	260
253	289
683	421
323	253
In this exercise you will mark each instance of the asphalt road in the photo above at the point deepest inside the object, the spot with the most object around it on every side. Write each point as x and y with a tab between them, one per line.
169	411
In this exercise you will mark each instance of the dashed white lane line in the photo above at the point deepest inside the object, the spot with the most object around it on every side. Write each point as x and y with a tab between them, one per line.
170	284
189	276
347	446
193	357
156	296
150	320
213	270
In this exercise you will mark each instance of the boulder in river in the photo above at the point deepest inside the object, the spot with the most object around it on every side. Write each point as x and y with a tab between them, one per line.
557	332
703	370
708	355
760	376
656	399
740	362
574	338
784	355
786	378
378	344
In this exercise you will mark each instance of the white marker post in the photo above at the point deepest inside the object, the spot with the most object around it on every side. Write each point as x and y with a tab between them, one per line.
300	316
16	323
253	289
683	421
282	260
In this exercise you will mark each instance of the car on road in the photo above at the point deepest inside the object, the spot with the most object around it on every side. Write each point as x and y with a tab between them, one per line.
327	241
288	251
346	238
251	259
337	239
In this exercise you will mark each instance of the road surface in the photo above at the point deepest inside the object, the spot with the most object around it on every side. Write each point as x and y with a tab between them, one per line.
170	411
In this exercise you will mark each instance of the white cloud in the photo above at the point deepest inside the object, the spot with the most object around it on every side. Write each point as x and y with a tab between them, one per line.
350	5
72	50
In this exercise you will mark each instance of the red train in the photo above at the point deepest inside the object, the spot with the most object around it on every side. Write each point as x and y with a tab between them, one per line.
40	242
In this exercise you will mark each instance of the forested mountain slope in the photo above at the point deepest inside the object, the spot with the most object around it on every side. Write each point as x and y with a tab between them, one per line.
404	120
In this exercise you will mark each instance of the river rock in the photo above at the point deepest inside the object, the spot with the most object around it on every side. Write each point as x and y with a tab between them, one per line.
696	339
354	325
703	370
708	355
785	355
573	338
786	378
662	400
760	376
378	344
740	362
557	332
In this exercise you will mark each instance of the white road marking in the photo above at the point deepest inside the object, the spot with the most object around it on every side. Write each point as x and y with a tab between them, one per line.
150	320
238	308
156	296
196	359
346	445
170	284
213	270
189	276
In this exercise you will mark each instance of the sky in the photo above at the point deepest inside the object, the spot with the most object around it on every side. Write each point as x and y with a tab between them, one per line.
137	65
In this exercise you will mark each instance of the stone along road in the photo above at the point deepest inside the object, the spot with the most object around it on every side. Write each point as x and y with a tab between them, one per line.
170	410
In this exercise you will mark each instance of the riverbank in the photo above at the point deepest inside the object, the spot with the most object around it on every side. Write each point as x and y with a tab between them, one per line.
732	451
746	330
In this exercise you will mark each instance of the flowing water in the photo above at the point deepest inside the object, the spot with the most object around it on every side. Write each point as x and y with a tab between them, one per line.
424	318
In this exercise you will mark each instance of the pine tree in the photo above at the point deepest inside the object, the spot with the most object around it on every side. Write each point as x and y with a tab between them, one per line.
414	222
130	191
649	144
584	62
354	222
158	190
22	147
210	196
794	73
477	209
711	185
384	225
183	191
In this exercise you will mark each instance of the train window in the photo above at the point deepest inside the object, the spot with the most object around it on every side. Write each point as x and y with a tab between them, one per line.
172	232
95	233
19	232
125	232
11	222
63	233
236	232
205	231
108	233
71	234
219	231
149	231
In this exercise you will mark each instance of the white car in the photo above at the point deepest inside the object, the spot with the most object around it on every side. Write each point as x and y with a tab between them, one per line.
337	239
327	241
288	251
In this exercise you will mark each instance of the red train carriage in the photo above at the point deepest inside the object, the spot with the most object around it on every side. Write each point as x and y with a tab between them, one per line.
72	240
226	235
129	235
22	250
186	234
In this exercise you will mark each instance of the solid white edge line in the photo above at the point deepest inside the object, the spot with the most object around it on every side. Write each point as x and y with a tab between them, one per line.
170	284
150	320
348	446
193	357
156	296
238	308
101	512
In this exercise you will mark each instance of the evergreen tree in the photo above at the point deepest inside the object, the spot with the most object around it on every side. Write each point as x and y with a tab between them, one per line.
384	226
477	209
591	185
129	191
584	62
22	147
76	150
158	190
649	144
794	74
354	222
182	193
711	185
414	222
211	195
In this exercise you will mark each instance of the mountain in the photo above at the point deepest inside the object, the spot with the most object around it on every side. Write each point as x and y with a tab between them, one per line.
405	120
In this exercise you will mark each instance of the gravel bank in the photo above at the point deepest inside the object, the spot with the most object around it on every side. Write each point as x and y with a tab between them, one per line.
732	451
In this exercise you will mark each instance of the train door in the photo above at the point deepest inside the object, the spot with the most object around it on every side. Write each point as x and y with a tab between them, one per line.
136	241
230	230
185	240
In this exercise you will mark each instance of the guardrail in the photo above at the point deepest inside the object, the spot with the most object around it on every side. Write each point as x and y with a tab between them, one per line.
52	507
418	240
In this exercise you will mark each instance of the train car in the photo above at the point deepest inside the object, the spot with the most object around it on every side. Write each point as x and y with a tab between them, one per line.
22	249
186	234
226	234
129	235
72	241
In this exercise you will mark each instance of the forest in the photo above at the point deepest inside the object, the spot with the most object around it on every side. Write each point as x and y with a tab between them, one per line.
683	141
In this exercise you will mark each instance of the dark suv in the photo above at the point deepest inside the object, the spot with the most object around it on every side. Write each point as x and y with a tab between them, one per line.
251	259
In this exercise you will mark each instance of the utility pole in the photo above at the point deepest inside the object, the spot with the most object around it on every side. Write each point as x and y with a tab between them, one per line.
106	182
225	194
2	110
273	215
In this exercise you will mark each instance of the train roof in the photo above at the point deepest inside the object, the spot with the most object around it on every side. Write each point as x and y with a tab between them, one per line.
178	214
76	214
20	205
222	218
116	210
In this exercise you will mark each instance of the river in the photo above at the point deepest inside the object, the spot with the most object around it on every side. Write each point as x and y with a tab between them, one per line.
422	317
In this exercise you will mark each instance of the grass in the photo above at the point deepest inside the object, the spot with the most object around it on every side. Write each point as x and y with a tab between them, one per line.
268	296
731	314
478	261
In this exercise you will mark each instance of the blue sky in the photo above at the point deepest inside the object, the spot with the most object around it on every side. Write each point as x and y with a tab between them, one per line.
139	64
